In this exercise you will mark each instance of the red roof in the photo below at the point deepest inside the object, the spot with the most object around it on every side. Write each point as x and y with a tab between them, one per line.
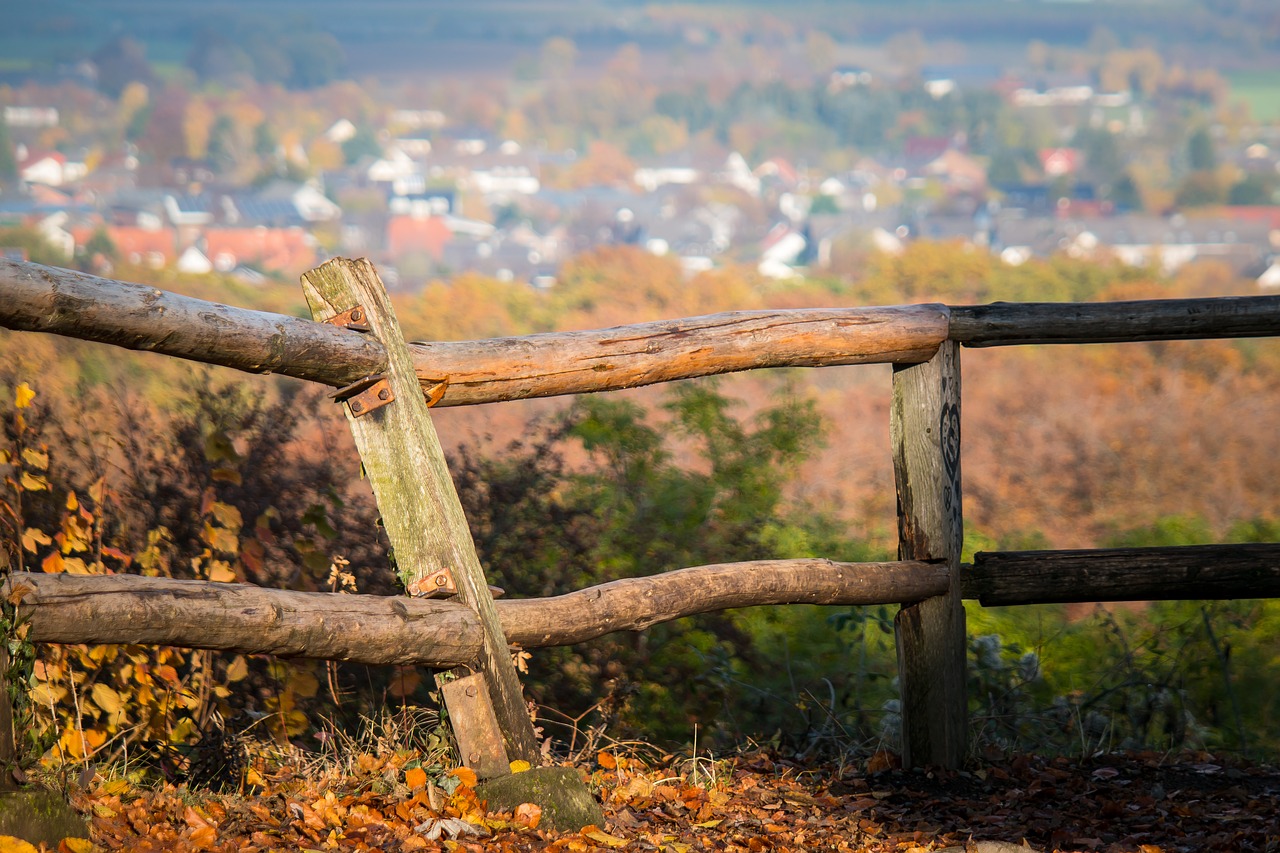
34	157
1060	161
286	249
409	234
1269	214
270	248
135	245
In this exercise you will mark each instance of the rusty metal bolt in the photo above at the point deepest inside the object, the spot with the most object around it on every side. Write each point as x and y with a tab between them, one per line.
441	580
471	690
474	758
384	394
357	315
357	406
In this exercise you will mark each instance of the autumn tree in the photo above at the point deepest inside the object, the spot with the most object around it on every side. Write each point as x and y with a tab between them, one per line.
121	61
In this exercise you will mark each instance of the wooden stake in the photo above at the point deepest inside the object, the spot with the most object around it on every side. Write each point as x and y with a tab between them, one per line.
925	429
420	509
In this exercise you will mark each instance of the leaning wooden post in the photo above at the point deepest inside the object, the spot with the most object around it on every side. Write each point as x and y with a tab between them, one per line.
420	510
925	429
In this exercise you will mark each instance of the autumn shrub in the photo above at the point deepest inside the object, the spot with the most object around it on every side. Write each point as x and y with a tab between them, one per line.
223	488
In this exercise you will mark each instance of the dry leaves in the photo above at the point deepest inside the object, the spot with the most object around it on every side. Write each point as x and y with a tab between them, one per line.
1131	804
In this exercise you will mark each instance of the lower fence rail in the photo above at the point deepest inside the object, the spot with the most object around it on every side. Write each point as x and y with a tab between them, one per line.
403	630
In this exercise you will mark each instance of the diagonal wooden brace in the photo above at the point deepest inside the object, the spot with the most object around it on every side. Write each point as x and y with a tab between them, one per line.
420	510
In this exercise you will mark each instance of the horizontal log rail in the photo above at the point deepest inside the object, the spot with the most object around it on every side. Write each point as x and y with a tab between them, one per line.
634	604
130	609
384	630
1013	323
556	363
47	299
1185	573
38	298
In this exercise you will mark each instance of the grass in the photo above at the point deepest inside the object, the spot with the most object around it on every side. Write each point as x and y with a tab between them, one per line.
1260	90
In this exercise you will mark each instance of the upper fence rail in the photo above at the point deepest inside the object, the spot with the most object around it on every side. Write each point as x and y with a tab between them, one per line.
47	299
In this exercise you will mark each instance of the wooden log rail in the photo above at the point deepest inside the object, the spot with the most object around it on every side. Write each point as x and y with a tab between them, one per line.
47	299
1184	573
1014	323
386	630
247	619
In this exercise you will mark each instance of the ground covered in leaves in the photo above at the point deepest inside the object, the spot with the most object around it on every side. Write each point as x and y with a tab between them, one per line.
758	802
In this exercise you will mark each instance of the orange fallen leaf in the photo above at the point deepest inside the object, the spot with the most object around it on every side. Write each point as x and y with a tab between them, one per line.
415	778
465	775
528	815
607	760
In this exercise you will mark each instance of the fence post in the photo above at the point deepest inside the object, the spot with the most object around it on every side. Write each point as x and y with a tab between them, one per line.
925	430
420	510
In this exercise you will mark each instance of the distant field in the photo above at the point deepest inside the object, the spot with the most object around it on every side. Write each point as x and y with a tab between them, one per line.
1260	90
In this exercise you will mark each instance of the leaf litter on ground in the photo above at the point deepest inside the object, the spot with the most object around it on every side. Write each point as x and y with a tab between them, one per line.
1132	803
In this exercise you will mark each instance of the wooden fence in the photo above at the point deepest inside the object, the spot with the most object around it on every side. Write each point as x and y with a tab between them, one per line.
386	385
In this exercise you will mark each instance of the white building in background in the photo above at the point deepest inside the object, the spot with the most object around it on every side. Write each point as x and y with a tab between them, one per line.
194	261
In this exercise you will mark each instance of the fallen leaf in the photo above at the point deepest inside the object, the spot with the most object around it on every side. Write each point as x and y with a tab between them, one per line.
465	775
9	844
415	778
22	399
528	815
602	837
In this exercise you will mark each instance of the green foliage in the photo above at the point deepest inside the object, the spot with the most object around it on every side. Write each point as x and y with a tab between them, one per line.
37	248
636	509
8	164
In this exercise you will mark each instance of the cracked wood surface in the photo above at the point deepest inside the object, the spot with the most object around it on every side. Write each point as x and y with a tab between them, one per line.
47	299
243	618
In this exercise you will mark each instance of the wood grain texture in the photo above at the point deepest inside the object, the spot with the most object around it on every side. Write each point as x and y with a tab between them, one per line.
1186	573
406	467
1010	323
37	298
247	619
629	356
638	603
376	630
925	432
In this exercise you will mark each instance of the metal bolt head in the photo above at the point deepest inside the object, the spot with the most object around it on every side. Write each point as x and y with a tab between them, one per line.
357	406
471	690
474	758
441	580
384	394
357	315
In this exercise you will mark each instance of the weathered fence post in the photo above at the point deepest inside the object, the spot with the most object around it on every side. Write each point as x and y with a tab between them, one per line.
925	429
420	510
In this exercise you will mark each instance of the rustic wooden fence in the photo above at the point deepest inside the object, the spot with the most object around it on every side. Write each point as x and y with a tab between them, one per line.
386	385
